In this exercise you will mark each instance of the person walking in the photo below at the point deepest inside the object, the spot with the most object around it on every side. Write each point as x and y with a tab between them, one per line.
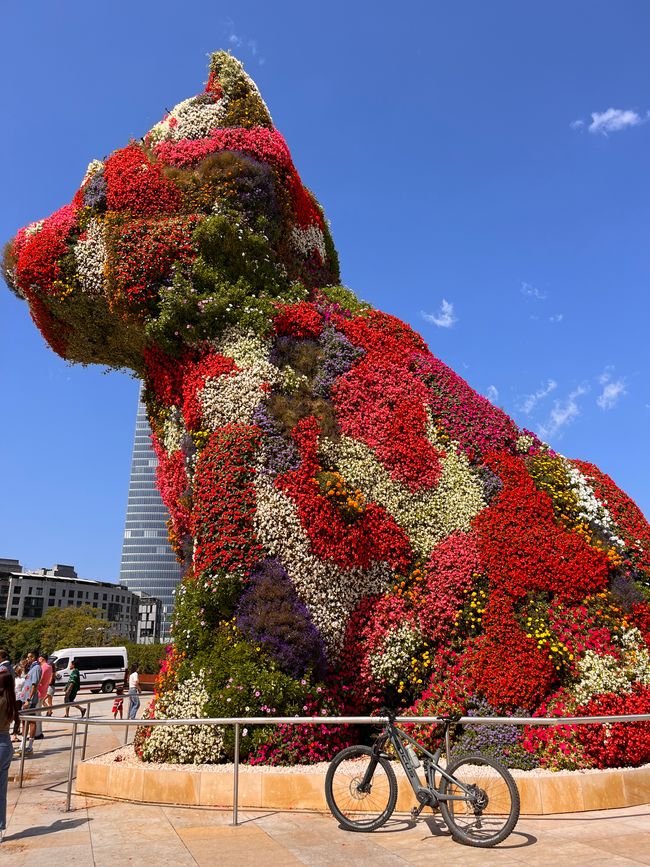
46	685
7	715
134	692
71	690
30	693
43	685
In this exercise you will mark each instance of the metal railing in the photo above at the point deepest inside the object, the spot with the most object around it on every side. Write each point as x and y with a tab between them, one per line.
238	722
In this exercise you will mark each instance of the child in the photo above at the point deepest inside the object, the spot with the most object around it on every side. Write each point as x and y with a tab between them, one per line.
118	704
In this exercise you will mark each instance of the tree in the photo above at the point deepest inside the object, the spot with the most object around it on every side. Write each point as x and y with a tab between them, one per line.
73	627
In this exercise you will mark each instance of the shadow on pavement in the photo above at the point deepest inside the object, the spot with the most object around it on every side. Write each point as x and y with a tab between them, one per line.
39	830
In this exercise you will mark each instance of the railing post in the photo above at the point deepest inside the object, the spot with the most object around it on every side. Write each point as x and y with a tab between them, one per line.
85	740
23	747
235	787
73	749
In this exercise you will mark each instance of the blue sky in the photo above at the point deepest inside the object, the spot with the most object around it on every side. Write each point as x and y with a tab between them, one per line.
485	170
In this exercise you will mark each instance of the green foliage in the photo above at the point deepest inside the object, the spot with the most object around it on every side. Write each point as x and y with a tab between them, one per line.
301	361
201	605
346	298
96	334
58	628
147	656
73	627
245	106
288	409
242	681
235	280
20	636
8	268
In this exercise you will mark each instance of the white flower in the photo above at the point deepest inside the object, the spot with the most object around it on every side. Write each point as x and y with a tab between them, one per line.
399	645
590	507
192	118
604	673
307	240
184	744
90	256
94	166
173	430
34	228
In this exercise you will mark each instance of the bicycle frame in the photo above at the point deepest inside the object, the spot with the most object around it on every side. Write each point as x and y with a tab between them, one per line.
430	794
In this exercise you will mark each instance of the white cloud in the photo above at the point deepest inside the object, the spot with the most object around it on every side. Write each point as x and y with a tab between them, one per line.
563	412
556	317
532	292
492	393
612	390
577	124
444	318
239	41
531	400
613	120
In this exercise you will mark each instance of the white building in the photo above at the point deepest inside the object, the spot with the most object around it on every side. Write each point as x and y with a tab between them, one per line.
27	595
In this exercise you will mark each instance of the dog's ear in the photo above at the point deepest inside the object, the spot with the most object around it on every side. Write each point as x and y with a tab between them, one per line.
230	100
245	106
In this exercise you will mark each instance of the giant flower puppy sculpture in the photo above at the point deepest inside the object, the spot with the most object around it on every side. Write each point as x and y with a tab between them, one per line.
356	523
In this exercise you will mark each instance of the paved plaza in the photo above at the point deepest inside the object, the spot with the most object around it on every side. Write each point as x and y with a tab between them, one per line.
108	833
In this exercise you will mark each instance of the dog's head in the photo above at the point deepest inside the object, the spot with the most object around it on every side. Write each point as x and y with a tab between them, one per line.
202	224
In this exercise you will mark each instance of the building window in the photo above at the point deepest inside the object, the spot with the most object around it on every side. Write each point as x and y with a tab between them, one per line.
39	591
52	591
14	612
95	596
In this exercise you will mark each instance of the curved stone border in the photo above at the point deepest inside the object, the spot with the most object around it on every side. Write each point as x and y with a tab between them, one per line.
300	790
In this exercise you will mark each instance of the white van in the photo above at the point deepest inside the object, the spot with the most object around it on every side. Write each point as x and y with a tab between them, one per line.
100	668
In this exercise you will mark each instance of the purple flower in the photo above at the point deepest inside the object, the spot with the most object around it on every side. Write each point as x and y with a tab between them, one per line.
272	615
95	192
281	452
338	357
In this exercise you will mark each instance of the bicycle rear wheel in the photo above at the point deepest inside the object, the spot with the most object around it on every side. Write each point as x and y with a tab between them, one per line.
360	807
487	815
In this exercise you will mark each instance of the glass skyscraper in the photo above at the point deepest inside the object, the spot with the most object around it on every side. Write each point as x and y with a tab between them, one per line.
148	563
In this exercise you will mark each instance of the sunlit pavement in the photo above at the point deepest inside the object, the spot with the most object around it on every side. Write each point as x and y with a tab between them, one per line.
98	832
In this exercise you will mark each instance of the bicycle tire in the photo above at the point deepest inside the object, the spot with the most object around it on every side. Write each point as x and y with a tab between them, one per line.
355	810
487	825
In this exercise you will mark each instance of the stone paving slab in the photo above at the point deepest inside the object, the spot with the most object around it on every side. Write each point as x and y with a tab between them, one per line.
101	833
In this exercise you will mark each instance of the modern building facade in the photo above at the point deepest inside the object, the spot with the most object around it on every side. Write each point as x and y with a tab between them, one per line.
148	563
149	619
28	595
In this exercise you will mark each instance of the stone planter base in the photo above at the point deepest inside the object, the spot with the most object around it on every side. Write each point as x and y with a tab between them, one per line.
298	789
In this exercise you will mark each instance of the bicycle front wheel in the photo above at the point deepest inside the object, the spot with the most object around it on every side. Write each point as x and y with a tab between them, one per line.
361	797
487	812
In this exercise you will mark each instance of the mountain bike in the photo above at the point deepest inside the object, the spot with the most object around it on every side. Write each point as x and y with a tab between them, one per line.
476	795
